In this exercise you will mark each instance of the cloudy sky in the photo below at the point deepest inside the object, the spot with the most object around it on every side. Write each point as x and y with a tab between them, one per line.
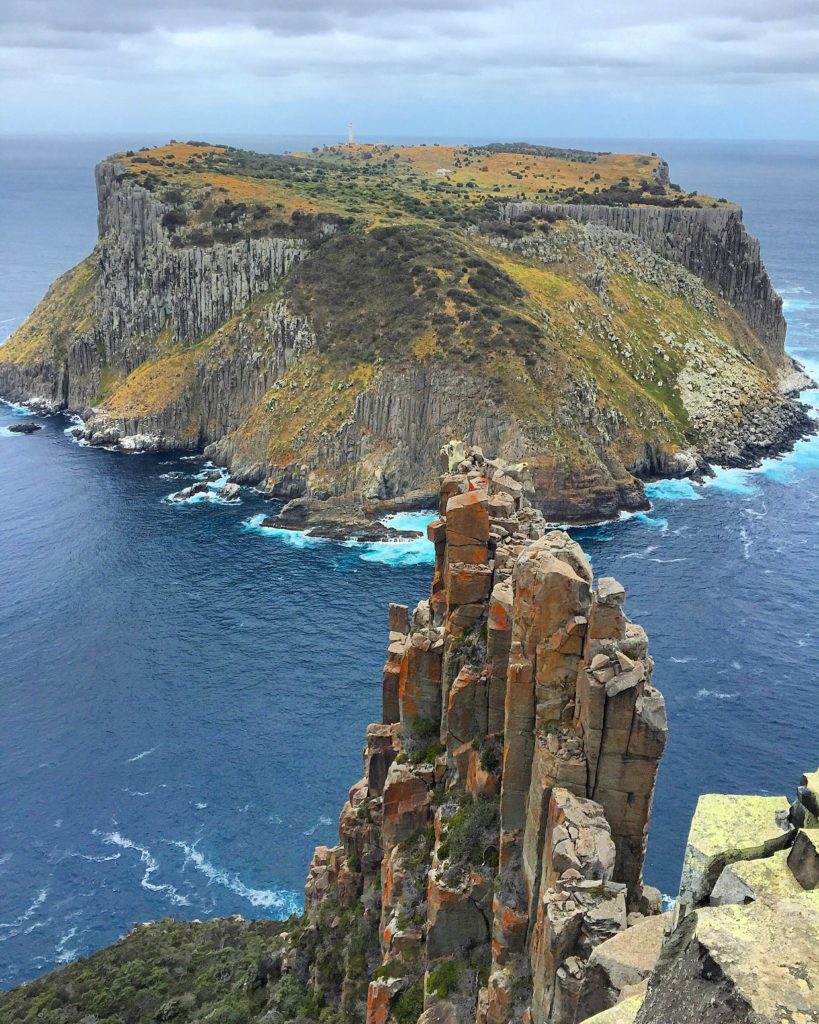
535	68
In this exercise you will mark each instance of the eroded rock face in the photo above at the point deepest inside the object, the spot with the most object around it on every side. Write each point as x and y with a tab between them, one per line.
713	244
743	940
504	808
499	833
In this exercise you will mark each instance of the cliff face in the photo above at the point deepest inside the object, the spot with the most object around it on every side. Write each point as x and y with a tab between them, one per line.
147	286
498	835
260	305
712	243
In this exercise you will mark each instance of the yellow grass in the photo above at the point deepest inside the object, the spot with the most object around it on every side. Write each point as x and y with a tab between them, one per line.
153	386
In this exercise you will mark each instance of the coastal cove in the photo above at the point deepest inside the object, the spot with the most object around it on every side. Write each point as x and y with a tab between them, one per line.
185	694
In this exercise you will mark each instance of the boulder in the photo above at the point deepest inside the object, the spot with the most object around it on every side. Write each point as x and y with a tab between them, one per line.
190	492
734	964
406	804
578	838
621	963
747	880
621	1013
803	858
455	921
467	527
399	618
335	518
467	583
229	492
724	829
25	428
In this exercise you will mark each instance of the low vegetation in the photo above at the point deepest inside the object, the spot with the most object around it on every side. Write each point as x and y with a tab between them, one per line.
181	971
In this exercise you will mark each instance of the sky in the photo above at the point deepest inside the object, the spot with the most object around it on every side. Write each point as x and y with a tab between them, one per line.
537	69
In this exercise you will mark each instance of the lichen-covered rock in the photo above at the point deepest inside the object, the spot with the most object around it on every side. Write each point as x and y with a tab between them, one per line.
725	829
764	878
621	964
753	964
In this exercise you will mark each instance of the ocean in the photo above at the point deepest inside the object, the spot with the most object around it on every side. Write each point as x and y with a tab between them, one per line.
183	695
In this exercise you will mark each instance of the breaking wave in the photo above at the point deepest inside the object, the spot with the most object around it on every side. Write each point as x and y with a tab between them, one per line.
281	900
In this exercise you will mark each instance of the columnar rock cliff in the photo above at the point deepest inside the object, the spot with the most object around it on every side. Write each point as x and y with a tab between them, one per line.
498	835
712	243
325	322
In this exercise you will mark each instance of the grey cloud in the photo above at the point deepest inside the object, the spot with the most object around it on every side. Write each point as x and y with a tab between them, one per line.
412	46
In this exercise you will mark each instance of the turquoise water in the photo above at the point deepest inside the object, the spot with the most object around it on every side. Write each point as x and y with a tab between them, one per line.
184	693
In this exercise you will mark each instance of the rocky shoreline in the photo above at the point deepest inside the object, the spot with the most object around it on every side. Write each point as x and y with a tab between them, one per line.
772	432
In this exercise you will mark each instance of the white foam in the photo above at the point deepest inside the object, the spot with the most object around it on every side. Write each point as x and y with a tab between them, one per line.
151	866
417	551
323	820
295	538
8	929
647	520
399	552
138	757
99	859
411	520
63	954
672	490
212	494
17	410
716	694
282	900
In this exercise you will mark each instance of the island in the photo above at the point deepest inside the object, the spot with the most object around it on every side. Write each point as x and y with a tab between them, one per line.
321	323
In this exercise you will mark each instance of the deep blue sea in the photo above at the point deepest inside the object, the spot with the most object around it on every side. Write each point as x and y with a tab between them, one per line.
183	697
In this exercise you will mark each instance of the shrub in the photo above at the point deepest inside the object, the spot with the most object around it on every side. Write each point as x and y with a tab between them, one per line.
410	1005
472	835
443	980
174	219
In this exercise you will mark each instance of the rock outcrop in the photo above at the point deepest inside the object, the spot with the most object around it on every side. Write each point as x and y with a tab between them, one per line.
497	838
490	862
502	820
743	945
712	243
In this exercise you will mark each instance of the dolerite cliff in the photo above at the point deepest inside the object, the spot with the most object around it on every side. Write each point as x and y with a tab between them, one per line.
323	323
498	835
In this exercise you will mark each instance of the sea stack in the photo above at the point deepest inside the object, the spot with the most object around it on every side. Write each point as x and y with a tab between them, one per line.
498	835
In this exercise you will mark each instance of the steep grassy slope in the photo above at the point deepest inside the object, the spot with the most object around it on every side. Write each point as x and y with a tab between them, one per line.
325	321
